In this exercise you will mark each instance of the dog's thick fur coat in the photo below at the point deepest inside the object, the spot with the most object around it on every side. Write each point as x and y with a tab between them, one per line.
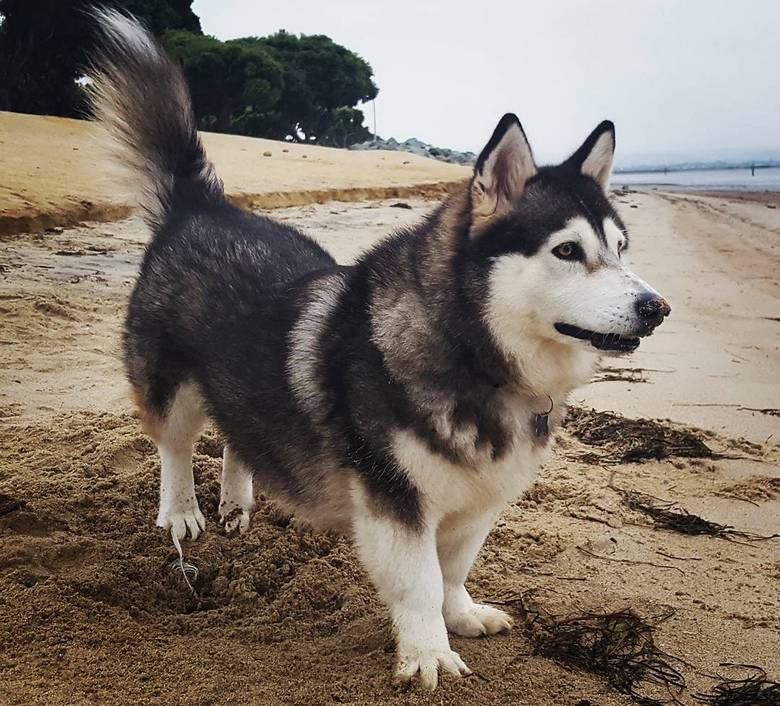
397	400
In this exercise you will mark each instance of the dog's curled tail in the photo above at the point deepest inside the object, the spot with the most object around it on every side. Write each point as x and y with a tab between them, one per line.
140	95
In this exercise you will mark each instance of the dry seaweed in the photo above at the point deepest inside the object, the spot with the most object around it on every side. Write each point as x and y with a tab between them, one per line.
753	490
617	374
633	440
187	570
618	646
770	411
751	690
666	514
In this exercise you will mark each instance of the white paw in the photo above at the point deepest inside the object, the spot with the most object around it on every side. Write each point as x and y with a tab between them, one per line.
236	496
427	663
478	621
182	522
232	517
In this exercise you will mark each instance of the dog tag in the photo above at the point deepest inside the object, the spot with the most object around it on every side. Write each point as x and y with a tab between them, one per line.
541	420
541	425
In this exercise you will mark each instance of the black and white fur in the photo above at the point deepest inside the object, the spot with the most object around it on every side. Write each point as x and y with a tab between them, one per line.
393	399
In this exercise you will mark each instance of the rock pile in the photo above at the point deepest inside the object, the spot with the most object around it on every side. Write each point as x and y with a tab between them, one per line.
415	146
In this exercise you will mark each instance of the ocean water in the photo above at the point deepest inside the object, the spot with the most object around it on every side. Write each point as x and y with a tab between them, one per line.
706	179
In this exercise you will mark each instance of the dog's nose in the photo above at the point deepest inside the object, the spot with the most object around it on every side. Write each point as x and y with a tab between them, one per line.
652	310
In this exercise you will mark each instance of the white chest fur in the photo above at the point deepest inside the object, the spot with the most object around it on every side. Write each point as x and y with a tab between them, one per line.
486	483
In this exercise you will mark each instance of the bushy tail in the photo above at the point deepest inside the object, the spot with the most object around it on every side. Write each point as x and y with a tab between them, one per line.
141	97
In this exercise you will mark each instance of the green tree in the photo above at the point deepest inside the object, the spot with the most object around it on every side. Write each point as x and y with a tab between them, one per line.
45	43
345	128
320	77
303	88
235	88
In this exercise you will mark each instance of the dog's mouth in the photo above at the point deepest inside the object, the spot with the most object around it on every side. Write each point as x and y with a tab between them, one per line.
602	341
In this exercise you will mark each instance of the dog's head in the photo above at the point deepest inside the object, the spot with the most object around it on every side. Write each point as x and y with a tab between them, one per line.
552	247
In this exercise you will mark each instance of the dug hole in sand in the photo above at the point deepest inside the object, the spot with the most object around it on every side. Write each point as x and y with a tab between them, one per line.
91	612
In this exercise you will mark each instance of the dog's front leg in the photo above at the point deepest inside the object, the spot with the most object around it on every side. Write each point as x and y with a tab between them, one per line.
404	566
459	541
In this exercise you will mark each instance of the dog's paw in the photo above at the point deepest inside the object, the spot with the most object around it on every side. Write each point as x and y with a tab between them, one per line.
232	517
427	663
236	496
478	621
182	522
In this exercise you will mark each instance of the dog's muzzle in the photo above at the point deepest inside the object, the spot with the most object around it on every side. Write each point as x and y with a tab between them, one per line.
651	311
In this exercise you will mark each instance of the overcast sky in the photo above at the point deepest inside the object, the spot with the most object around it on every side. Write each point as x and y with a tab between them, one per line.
680	78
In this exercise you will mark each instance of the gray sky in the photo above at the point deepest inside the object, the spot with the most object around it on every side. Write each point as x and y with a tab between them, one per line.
680	78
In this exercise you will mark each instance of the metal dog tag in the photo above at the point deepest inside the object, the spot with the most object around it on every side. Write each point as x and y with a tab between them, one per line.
542	419
541	425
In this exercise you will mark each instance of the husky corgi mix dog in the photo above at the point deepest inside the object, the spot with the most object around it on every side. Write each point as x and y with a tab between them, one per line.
404	400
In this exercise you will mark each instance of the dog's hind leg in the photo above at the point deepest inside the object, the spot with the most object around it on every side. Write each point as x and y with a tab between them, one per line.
403	565
236	498
175	433
459	542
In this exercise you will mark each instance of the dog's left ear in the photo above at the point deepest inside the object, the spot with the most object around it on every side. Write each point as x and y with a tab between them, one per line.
502	171
594	158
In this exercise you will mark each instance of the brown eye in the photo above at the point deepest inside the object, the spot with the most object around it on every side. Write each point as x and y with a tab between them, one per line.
621	246
568	251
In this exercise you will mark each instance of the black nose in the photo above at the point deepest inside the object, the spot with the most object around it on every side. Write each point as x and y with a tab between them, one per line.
652	310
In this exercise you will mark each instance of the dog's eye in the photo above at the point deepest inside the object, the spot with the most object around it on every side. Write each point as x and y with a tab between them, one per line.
568	251
621	246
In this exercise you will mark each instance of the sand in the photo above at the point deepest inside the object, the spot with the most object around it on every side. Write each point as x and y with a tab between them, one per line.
716	362
91	613
53	173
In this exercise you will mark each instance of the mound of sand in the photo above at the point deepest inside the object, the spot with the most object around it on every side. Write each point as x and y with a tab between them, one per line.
92	610
54	173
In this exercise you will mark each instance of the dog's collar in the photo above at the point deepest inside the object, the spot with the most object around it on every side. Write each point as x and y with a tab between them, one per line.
541	419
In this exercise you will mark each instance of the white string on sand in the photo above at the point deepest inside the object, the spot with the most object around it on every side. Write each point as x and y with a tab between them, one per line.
188	570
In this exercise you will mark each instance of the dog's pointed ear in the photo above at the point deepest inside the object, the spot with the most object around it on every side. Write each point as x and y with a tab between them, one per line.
594	158
502	171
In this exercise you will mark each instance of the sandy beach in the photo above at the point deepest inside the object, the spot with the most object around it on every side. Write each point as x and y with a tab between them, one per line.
54	173
93	614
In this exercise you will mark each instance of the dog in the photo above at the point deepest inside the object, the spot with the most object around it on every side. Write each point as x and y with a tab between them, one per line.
404	400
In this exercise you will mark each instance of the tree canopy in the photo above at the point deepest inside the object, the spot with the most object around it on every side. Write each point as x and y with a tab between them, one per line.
234	88
284	86
45	43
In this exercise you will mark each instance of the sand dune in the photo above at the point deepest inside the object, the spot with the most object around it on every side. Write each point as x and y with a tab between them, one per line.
54	173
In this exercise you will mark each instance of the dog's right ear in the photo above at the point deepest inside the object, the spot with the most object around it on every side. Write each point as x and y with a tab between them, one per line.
595	156
502	171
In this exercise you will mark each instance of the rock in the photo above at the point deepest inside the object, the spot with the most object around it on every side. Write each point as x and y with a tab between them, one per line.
418	147
400	204
266	154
